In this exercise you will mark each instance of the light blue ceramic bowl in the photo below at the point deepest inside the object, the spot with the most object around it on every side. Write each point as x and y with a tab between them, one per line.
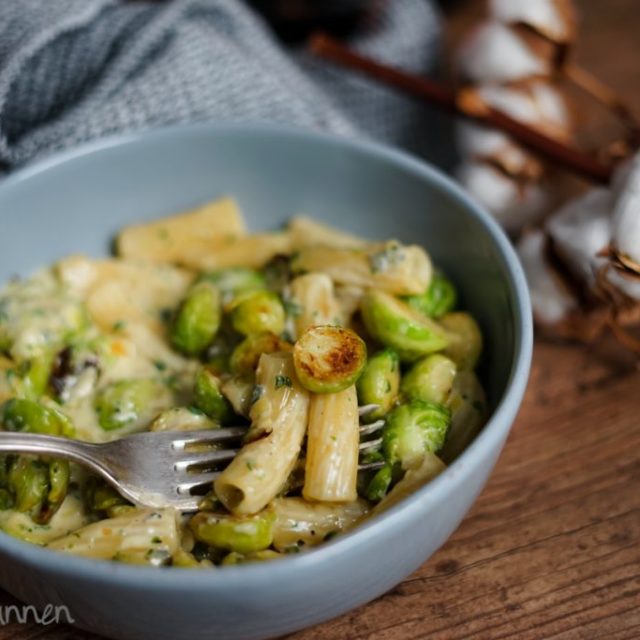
76	201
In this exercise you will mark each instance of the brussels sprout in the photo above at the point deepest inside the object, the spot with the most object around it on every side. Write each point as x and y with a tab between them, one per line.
379	383
101	497
39	487
208	397
258	312
245	357
34	375
198	319
329	359
29	483
6	500
429	379
465	342
59	476
440	297
412	430
240	534
131	403
380	484
183	419
19	414
468	406
395	324
233	281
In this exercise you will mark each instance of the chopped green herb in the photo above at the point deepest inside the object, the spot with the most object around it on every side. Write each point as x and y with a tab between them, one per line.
160	365
119	325
156	540
283	381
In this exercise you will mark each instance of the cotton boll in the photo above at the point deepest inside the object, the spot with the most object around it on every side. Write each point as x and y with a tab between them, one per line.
580	230
536	103
626	215
477	142
512	204
555	19
495	53
625	283
551	299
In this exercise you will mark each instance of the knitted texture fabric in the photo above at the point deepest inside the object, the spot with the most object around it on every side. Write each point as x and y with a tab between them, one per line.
75	70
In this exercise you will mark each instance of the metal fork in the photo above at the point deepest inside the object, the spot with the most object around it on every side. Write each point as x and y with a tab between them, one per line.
158	469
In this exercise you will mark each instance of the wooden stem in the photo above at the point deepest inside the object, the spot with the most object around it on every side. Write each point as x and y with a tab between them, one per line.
464	104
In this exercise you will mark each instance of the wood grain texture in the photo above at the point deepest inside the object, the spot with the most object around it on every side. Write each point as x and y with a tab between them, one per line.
552	547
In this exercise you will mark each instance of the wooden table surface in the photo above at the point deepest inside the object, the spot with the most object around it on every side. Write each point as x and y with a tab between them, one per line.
552	547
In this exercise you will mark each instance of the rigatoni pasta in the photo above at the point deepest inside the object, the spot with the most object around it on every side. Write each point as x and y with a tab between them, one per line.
345	360
279	422
312	302
331	470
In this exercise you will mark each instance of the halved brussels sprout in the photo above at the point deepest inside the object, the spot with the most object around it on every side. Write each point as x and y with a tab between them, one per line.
379	383
329	359
6	500
429	379
246	534
468	405
245	357
465	342
440	297
198	319
101	497
31	376
131	403
183	419
414	429
208	397
258	312
395	324
29	483
20	414
37	487
234	281
380	483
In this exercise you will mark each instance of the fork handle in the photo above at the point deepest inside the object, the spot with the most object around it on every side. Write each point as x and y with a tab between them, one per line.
83	453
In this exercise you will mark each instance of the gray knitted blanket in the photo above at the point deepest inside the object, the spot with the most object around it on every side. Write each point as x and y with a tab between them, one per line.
74	70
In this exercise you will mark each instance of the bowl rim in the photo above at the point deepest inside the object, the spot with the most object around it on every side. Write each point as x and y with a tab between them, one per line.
491	436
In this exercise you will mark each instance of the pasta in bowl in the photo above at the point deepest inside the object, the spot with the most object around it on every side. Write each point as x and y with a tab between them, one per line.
298	334
80	201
